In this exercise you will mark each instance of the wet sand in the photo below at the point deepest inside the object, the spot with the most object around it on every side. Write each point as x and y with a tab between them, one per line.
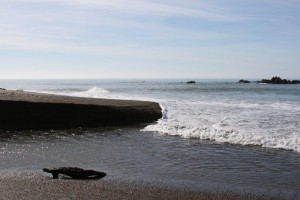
33	111
17	186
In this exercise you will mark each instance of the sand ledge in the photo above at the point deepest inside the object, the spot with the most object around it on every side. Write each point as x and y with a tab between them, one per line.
33	111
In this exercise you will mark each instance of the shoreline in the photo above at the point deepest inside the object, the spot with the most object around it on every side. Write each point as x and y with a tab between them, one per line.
37	186
22	110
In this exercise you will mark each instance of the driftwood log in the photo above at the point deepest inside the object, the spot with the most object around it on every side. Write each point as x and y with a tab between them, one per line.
75	173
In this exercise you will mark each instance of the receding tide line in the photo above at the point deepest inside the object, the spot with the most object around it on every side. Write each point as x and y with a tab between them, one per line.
20	110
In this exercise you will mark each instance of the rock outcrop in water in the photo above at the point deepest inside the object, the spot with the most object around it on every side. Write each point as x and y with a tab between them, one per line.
278	80
244	81
75	173
191	82
273	80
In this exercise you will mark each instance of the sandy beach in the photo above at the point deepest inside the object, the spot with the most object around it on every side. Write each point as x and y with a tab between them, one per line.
170	99
31	111
200	149
17	186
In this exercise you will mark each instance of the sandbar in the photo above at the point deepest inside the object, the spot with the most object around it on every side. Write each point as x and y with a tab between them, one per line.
21	110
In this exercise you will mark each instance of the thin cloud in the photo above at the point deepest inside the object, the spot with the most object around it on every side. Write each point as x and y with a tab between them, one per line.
188	34
141	7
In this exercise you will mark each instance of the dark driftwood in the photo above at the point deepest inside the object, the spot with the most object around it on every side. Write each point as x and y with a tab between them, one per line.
75	173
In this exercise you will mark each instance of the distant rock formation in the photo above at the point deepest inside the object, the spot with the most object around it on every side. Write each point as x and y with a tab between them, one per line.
191	82
274	80
75	173
244	81
278	80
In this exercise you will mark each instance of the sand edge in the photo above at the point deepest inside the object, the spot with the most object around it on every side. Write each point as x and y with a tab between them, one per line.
36	186
22	110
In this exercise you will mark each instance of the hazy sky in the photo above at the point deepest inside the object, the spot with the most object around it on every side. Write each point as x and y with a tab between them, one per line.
149	38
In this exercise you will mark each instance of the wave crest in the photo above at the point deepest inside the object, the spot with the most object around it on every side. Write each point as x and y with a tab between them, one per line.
264	126
94	92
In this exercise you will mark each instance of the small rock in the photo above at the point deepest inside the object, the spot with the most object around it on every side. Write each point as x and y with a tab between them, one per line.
244	81
191	82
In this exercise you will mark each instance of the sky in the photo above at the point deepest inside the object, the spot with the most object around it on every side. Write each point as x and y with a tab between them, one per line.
84	39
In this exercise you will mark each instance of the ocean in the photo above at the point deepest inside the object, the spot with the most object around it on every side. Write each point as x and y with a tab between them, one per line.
215	133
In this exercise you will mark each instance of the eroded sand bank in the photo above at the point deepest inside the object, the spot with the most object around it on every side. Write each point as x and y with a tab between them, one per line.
31	111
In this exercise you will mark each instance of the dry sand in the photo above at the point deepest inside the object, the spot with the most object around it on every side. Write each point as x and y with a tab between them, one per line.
36	186
20	95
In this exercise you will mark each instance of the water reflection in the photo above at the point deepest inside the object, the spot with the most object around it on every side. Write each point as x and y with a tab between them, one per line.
127	153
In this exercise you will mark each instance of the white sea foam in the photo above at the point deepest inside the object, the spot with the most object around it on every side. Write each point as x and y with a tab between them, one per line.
273	126
94	92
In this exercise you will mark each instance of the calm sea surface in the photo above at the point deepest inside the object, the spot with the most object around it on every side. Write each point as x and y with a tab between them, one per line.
214	132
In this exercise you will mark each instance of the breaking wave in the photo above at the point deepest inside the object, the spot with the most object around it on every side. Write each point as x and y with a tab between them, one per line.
246	117
94	92
272	126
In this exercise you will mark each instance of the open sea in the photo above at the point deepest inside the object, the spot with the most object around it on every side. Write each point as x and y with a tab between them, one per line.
215	134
